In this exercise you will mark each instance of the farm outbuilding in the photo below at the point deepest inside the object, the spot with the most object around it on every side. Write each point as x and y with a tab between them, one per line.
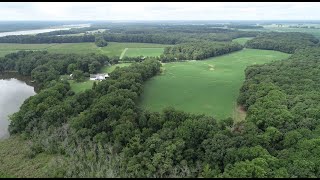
94	77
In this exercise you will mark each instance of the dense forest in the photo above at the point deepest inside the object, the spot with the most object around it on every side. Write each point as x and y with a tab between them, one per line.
30	39
285	42
198	50
160	38
282	98
175	37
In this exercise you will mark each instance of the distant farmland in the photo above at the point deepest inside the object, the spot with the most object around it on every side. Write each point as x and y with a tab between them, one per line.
133	52
242	41
113	48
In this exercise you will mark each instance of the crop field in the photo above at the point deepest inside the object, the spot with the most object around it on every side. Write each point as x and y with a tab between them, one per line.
113	48
208	87
133	52
242	41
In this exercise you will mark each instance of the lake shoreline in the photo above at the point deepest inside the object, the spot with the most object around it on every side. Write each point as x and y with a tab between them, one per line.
14	90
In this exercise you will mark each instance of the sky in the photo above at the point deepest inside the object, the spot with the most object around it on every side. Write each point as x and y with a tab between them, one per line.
159	11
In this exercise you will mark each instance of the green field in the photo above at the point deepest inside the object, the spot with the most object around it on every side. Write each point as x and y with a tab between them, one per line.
210	86
81	86
78	87
242	41
7	48
134	52
113	48
109	69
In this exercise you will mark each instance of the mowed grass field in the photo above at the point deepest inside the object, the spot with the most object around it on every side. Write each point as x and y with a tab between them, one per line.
134	52
113	48
109	69
208	87
242	41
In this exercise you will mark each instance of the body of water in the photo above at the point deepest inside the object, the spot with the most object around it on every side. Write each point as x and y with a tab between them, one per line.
37	31
14	90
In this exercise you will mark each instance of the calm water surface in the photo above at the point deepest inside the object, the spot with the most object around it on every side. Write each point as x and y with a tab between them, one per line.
14	90
36	31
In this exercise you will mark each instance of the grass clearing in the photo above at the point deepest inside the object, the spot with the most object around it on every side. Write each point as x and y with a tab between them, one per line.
7	48
113	48
242	41
109	69
134	52
15	162
208	87
78	87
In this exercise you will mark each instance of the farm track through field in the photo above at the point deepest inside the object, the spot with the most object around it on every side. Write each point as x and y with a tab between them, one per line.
123	53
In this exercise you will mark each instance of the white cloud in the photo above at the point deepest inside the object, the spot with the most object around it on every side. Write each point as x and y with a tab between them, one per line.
159	10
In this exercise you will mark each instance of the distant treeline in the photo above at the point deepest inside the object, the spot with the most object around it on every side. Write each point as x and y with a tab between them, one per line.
175	37
70	31
198	50
285	42
311	27
162	34
160	38
242	26
30	39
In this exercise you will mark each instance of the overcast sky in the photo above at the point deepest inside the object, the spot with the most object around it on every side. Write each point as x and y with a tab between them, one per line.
159	11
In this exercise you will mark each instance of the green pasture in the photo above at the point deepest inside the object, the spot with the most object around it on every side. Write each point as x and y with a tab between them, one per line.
113	48
134	52
208	87
242	41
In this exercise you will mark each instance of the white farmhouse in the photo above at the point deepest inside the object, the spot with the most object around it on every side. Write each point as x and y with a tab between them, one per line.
100	77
